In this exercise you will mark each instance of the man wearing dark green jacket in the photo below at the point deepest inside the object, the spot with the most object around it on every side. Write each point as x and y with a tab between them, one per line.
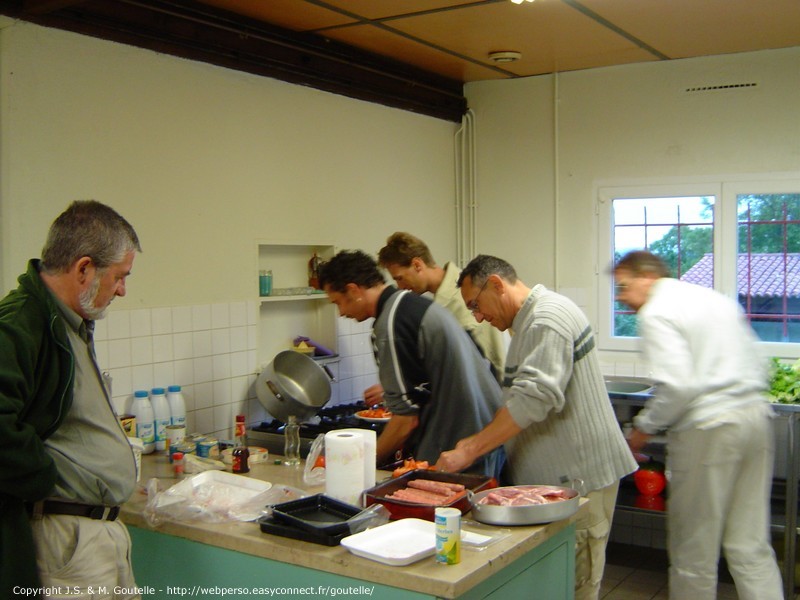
65	464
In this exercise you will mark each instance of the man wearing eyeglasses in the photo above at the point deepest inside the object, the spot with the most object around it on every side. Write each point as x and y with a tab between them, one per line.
709	398
556	422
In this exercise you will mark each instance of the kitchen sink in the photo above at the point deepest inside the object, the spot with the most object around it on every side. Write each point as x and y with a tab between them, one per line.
628	386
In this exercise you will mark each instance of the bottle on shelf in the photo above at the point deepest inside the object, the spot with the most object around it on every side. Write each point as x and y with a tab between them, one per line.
241	453
161	417
313	271
142	409
291	442
177	405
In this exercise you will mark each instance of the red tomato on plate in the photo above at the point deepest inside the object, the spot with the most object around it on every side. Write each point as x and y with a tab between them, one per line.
649	482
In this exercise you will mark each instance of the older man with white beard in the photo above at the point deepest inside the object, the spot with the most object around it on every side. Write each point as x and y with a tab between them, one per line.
65	462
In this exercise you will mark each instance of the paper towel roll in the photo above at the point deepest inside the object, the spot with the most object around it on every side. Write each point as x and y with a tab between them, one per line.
370	454
344	466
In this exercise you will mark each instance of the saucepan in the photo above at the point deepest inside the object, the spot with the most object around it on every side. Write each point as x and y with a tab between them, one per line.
564	504
293	384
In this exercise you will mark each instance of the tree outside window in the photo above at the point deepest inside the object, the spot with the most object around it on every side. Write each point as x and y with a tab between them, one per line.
680	230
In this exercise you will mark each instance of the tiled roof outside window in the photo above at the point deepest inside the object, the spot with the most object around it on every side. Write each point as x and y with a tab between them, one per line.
771	275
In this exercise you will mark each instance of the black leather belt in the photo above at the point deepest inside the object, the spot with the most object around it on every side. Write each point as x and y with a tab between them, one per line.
54	507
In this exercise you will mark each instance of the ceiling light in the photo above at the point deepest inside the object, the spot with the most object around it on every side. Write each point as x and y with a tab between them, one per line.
520	1
505	56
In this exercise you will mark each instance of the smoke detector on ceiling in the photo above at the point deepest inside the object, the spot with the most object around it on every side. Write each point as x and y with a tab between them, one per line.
505	56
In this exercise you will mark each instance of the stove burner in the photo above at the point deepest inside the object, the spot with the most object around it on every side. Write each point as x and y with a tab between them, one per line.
341	416
269	434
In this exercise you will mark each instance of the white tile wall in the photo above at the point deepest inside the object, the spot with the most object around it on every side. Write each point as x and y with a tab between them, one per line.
210	351
622	364
356	370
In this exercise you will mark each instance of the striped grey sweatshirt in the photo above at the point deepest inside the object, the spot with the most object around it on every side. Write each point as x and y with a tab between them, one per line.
555	391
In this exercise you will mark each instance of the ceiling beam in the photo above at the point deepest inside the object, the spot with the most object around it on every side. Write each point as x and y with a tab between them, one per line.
39	7
195	31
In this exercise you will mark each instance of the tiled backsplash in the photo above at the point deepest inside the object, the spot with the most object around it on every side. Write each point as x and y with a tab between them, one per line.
211	351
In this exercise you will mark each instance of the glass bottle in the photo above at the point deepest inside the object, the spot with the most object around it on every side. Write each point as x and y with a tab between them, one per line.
241	453
291	442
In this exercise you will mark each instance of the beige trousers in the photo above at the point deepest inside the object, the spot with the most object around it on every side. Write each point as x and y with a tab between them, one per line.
591	538
720	483
87	559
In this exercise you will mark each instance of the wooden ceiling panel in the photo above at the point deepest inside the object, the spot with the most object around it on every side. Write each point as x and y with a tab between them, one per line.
390	43
372	9
551	36
687	28
291	14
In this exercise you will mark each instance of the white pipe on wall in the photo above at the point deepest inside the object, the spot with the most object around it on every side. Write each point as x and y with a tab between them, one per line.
556	190
466	186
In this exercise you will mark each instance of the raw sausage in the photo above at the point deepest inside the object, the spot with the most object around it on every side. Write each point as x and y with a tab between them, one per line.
439	487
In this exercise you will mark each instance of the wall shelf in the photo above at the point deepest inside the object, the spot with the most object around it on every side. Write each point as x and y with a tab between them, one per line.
282	318
293	298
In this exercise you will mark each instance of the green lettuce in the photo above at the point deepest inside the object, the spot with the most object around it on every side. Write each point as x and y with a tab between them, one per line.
784	381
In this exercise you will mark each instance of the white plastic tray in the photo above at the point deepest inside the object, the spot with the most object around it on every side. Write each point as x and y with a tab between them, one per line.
239	487
397	543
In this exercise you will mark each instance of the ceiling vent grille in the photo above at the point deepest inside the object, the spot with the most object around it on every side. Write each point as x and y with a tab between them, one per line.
726	87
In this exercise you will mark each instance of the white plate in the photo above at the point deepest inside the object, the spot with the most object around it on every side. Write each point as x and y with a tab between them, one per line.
398	543
371	419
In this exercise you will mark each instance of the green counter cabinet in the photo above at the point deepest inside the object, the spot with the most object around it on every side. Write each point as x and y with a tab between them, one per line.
168	567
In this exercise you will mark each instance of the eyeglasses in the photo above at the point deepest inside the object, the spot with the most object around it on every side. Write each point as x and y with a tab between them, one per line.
620	287
473	305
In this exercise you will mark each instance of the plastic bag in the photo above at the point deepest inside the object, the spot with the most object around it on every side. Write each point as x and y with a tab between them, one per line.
372	516
477	536
212	497
199	464
315	475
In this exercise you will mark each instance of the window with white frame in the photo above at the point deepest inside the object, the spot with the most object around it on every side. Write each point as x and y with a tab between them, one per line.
739	237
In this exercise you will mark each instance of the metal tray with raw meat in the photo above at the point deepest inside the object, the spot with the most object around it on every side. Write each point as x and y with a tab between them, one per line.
401	509
529	514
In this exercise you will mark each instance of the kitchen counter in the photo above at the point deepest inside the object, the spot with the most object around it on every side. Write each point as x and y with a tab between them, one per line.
180	556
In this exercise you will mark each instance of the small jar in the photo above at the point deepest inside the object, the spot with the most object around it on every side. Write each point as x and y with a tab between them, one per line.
240	462
178	464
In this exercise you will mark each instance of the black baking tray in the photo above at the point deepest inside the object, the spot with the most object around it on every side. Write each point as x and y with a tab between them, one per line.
319	514
274	527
